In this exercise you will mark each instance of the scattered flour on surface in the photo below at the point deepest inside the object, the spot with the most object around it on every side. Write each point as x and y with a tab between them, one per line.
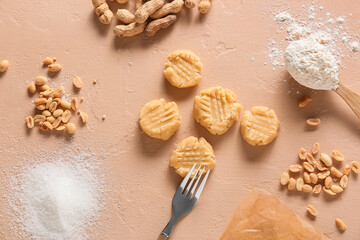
59	198
283	17
354	46
312	65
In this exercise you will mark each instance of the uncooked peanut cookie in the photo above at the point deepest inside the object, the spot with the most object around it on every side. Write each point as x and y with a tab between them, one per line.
216	109
260	126
182	69
160	119
188	152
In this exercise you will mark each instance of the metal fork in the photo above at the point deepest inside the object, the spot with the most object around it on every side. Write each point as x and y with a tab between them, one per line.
184	201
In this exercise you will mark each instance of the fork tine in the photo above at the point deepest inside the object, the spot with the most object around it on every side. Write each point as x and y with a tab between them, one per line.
191	182
197	182
186	179
198	193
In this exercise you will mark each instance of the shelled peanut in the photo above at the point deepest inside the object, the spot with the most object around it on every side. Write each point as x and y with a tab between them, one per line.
53	110
318	174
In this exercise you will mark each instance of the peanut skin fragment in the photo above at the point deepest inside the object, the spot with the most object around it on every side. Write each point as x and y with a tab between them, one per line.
129	30
148	8
156	25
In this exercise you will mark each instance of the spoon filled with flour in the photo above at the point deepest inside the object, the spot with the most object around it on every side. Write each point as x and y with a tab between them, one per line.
313	65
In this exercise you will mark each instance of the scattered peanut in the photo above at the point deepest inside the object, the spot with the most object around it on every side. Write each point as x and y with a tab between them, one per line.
292	184
310	159
50	119
49	60
148	8
317	189
299	184
71	128
60	128
66	116
48	125
336	188
74	103
295	168
58	113
153	27
103	12
323	174
304	101
355	167
77	82
55	67
4	65
204	6
44	87
347	169
326	159
58	92
53	106
313	121
307	177
328	182
40	107
328	191
65	104
284	178
84	117
39	101
313	178
340	224
344	181
302	154
312	210
57	122
129	30
307	188
32	87
335	172
47	93
29	122
46	113
39	118
40	80
168	8
308	167
320	166
190	3
125	16
315	149
337	156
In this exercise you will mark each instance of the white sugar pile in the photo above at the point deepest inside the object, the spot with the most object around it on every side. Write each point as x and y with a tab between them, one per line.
312	64
58	199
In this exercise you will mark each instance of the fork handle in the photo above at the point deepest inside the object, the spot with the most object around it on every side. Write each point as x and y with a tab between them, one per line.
162	237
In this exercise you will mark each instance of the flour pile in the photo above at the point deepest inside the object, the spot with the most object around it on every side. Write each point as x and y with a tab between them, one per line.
57	199
312	64
327	32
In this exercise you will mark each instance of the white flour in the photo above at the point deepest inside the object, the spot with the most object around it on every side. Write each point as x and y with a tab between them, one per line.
59	199
312	23
312	64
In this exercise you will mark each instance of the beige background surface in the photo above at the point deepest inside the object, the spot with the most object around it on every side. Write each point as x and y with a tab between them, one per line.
129	73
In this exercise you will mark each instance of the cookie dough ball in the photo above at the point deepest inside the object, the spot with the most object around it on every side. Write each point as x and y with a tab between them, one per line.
188	152
216	109
182	69
160	119
260	126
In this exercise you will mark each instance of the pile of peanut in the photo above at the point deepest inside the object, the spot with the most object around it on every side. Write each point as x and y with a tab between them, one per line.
315	175
53	110
149	16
